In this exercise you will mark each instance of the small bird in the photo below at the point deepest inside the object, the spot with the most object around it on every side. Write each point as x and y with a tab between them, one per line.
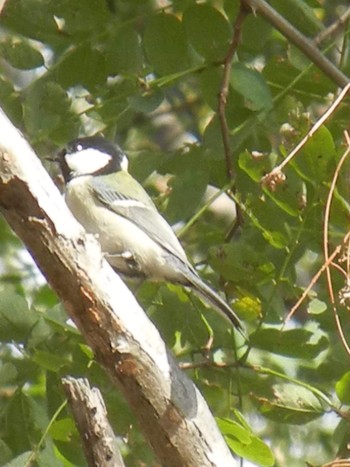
135	239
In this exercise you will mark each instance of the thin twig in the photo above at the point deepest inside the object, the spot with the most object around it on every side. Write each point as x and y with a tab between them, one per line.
275	175
326	244
333	28
313	281
225	89
338	463
263	371
223	94
329	258
34	454
299	40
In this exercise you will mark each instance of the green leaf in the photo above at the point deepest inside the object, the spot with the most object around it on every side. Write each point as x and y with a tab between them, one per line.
41	332
165	44
256	451
84	66
10	101
342	388
316	307
298	59
123	51
211	82
289	196
49	361
185	319
279	73
255	167
5	453
48	455
243	443
8	373
241	262
63	429
252	86
292	404
247	306
56	318
33	19
300	14
186	193
82	17
317	157
20	460
16	320
25	421
208	31
44	297
44	108
146	102
20	54
233	429
296	343
256	32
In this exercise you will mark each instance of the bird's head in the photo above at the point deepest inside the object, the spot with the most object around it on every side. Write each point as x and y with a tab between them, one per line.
92	155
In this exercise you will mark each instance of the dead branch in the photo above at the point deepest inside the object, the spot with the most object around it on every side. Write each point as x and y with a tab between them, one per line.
90	415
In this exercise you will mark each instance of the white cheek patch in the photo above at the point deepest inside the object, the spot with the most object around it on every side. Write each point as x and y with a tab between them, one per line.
87	161
124	163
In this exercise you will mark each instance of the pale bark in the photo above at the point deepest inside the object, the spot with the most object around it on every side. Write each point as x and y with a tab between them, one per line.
171	411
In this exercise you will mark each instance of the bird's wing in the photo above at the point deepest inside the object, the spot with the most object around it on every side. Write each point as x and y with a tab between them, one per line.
138	209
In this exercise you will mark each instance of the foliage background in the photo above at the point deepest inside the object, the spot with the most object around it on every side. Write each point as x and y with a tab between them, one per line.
148	74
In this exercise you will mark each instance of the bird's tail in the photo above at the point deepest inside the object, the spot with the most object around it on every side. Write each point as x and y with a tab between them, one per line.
203	290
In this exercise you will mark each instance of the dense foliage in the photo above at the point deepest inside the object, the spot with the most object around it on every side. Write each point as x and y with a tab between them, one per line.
148	74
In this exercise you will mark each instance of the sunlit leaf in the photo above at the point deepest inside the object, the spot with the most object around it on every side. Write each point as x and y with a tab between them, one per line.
20	460
316	307
292	404
234	430
63	429
342	389
256	451
245	444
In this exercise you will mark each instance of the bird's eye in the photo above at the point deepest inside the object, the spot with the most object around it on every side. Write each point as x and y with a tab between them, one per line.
79	147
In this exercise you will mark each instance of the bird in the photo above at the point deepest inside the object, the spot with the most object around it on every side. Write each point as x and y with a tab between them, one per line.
135	239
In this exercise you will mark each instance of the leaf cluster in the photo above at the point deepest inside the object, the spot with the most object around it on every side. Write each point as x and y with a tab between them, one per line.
149	77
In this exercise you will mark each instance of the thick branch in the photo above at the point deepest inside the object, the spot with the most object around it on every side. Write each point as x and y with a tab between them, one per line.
172	413
90	415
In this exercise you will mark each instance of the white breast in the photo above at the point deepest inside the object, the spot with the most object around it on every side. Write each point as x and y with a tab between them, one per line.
118	236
